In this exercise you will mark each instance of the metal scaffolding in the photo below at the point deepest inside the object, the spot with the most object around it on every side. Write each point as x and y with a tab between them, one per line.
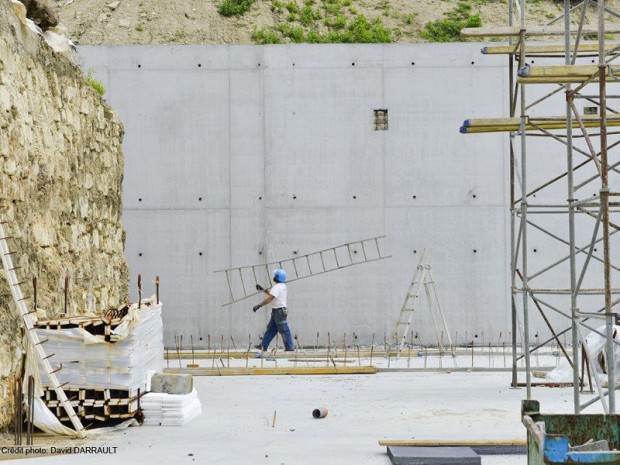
578	284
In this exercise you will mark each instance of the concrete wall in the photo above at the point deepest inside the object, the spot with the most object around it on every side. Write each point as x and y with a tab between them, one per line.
236	155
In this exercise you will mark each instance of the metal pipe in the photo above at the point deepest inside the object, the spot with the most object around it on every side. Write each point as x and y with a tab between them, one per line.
577	39
528	375
66	293
611	375
139	290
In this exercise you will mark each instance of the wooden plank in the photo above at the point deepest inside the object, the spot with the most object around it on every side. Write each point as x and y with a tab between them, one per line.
273	371
582	71
307	353
514	31
476	126
451	442
546	49
557	80
563	74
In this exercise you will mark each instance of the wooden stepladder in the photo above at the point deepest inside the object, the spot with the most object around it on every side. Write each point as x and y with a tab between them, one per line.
29	319
422	280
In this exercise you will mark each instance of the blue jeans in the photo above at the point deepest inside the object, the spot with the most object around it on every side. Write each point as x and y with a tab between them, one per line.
278	324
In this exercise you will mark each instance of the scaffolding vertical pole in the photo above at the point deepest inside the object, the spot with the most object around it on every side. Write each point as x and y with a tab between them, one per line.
604	196
513	241
511	136
526	327
571	212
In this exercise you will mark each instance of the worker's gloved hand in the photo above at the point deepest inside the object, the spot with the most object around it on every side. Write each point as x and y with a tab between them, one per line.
256	307
259	287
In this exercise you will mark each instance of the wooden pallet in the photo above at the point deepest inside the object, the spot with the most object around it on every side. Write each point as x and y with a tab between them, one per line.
95	404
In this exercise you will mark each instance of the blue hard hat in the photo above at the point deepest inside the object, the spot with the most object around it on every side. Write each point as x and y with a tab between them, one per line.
279	275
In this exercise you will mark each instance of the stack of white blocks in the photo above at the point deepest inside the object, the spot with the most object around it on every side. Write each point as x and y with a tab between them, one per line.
170	409
173	401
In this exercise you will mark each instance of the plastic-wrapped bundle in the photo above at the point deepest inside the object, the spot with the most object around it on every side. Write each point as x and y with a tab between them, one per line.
90	362
170	409
596	347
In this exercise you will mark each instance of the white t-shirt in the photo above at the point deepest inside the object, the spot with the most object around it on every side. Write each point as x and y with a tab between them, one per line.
278	291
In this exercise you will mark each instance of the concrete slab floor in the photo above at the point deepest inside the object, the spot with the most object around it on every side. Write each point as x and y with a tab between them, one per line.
237	424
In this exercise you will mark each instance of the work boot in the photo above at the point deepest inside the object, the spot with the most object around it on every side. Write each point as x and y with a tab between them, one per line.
258	347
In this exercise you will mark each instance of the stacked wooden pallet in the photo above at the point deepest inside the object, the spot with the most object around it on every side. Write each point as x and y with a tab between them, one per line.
103	362
97	326
95	404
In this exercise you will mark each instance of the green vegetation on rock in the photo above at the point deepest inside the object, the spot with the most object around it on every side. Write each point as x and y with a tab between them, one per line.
448	29
321	22
95	83
234	7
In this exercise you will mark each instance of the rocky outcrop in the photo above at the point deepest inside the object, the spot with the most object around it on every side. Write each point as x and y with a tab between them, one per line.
41	14
61	169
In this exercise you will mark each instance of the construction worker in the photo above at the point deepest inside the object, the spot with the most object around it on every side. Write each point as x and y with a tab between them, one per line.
276	298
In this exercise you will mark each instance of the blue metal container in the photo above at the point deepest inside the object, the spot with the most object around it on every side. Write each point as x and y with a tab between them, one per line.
566	439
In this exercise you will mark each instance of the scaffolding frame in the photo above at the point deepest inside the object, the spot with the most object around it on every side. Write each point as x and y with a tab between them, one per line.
527	215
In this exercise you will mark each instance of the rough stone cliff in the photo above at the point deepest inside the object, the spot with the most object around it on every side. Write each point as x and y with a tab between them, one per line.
61	170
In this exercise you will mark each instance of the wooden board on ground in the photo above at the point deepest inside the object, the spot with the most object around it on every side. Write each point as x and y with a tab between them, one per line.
274	371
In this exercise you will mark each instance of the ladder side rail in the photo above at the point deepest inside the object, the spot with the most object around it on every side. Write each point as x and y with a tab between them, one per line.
433	319
441	313
28	320
415	296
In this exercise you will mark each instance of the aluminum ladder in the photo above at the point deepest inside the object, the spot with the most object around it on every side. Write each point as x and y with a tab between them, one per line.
422	279
242	280
29	321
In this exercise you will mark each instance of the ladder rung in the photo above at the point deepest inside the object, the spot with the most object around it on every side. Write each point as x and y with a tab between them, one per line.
48	356
10	253
30	313
15	268
6	237
64	384
23	298
41	342
19	283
